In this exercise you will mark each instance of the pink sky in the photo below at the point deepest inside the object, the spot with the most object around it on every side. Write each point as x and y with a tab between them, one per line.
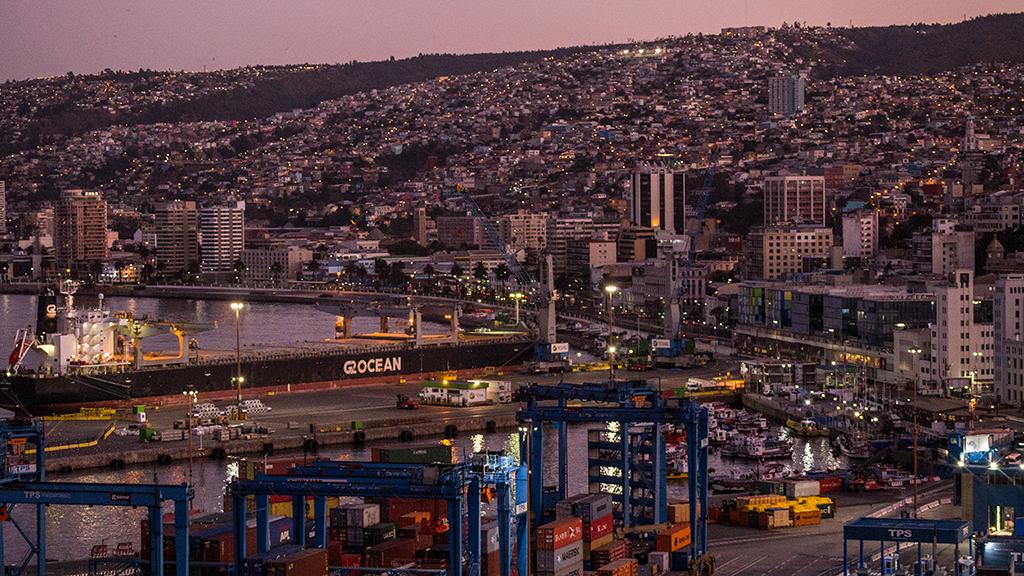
44	37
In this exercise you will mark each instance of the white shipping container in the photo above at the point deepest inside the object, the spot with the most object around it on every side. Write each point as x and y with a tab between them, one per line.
802	488
658	561
363	515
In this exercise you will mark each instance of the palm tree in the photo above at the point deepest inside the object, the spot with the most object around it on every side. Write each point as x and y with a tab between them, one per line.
480	271
502	273
457	270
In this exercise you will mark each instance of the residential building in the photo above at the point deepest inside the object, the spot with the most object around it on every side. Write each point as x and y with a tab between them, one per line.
1008	344
81	229
524	230
636	243
785	94
952	250
221	237
176	228
585	258
420	226
961	349
657	199
795	200
860	234
781	251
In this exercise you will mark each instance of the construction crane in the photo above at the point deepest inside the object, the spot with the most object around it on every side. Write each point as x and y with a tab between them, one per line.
703	197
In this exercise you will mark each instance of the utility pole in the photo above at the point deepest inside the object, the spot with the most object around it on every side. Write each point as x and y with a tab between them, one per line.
237	307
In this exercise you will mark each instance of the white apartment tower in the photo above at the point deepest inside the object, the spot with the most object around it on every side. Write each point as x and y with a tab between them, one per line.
221	237
785	94
795	200
961	350
860	234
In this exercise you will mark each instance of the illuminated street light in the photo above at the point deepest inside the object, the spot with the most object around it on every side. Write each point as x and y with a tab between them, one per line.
237	307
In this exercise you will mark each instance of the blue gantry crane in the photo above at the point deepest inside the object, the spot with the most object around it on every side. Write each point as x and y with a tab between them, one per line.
23	481
458	484
631	405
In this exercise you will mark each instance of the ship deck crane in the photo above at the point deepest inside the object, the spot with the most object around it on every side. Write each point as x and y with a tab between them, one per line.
633	402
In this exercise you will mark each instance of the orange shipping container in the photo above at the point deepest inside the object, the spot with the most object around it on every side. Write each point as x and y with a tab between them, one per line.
673	538
560	533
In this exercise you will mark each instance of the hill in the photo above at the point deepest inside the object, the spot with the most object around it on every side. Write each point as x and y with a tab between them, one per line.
930	48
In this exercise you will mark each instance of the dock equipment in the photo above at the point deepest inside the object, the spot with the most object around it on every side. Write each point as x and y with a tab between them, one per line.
632	405
457	484
24	482
907	530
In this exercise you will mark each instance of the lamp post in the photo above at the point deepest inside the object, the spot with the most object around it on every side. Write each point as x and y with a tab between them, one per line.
914	352
237	307
516	297
191	394
610	290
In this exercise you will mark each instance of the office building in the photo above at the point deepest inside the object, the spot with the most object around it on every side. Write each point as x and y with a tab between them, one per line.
81	229
795	200
961	349
785	95
585	258
420	223
176	228
657	199
781	251
221	237
1008	344
952	249
860	234
637	243
460	232
275	263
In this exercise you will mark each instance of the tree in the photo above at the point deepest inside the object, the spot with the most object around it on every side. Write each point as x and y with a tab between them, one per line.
480	271
239	268
502	273
380	268
457	270
396	274
429	271
275	272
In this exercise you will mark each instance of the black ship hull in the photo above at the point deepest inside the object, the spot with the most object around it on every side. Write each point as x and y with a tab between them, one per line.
28	391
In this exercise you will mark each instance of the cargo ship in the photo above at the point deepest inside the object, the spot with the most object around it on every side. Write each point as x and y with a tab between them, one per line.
95	355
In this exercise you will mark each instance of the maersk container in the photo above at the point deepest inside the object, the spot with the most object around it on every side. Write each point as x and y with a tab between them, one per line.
557	560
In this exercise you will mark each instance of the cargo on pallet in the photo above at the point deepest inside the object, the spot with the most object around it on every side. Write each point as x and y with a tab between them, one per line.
801	488
557	560
623	567
558	534
430	454
673	538
308	562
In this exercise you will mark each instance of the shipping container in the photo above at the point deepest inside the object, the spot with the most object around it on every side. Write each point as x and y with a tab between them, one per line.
429	454
489	537
395	552
830	484
658	562
679	512
559	559
598	528
801	488
362	515
558	534
623	567
573	570
588	547
308	562
614	550
379	533
674	538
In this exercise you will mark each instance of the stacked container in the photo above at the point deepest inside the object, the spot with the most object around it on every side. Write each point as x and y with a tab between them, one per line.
308	562
615	550
560	548
490	549
801	488
623	567
673	538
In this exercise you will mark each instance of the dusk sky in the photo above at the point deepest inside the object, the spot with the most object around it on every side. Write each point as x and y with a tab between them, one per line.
45	37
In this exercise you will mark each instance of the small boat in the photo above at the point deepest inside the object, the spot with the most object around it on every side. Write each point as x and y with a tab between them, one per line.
806	428
854	448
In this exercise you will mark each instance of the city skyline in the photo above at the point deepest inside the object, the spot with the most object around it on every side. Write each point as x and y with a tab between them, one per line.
89	36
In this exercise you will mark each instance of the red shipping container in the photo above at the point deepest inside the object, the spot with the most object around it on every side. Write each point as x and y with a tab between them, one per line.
308	562
831	484
560	533
598	528
336	554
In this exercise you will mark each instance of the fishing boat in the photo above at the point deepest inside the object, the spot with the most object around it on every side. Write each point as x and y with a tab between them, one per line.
854	448
757	448
806	428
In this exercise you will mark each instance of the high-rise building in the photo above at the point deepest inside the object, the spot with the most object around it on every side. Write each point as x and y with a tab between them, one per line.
1008	344
795	200
657	199
860	234
221	237
785	94
177	236
419	226
952	250
524	230
777	252
3	207
81	228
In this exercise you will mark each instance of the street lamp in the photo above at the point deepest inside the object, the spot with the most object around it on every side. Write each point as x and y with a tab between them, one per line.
516	297
191	394
237	307
913	413
610	289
